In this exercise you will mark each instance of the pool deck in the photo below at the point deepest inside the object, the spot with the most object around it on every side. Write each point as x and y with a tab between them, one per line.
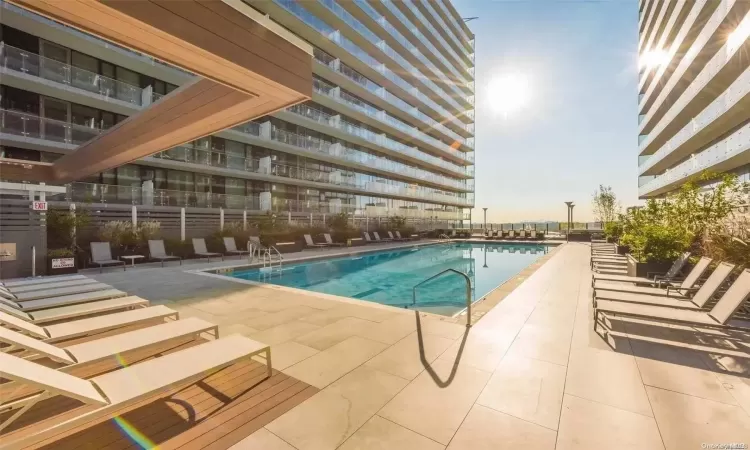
531	373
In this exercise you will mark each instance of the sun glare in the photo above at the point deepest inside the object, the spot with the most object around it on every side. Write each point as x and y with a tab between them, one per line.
508	93
653	59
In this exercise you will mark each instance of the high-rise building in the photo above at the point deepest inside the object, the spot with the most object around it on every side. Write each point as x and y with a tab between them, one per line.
389	130
694	91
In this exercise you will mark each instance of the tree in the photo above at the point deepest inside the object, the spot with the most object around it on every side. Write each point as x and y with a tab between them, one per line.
606	206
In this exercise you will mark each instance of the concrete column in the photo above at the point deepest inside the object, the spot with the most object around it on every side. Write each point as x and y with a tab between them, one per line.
182	224
265	130
289	217
73	213
221	218
244	220
134	215
42	194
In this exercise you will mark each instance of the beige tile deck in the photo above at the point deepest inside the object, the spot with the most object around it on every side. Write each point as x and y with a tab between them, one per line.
531	373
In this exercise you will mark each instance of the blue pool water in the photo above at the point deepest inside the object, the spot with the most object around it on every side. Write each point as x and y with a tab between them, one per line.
388	276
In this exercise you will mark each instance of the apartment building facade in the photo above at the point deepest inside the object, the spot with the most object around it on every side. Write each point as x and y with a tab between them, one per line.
694	91
389	130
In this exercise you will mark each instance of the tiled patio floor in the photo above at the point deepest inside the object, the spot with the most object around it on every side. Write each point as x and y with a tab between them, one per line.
530	374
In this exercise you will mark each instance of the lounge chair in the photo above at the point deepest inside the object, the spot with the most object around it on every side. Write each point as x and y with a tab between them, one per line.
257	247
378	238
111	346
718	317
699	300
394	238
10	284
157	251
199	249
101	254
62	300
410	238
657	280
330	242
79	310
522	234
681	291
511	234
24	296
88	326
532	234
12	291
230	246
310	244
112	392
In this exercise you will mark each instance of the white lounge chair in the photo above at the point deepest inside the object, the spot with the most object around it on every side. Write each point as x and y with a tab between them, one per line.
199	249
720	316
26	295
680	291
79	310
101	254
330	242
309	242
157	251
84	327
698	301
44	286
114	391
62	300
107	347
656	280
511	234
231	247
393	238
398	235
367	237
41	280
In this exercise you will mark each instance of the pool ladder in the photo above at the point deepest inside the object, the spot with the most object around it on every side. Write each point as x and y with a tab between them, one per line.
270	255
468	291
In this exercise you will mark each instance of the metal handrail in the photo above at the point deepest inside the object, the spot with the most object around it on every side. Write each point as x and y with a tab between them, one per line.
468	291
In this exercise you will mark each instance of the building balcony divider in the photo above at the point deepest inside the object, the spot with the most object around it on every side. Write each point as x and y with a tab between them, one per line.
30	126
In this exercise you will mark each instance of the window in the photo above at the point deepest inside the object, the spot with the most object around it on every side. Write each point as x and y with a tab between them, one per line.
180	181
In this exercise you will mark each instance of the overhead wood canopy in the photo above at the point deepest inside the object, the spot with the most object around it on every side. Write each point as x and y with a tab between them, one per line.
247	65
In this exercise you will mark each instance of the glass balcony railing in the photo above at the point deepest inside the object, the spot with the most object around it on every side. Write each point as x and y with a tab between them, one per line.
738	90
30	126
441	22
458	26
735	144
362	29
104	193
718	62
423	21
466	75
336	37
38	66
324	88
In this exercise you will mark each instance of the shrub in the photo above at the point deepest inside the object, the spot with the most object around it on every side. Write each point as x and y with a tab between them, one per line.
122	236
613	230
62	227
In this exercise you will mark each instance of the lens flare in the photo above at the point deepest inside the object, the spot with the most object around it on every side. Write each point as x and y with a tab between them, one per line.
136	436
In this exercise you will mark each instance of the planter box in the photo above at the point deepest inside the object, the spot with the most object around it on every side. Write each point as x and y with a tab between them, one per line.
61	266
644	269
579	236
623	249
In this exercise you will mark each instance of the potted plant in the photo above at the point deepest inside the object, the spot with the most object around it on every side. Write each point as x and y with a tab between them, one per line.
61	261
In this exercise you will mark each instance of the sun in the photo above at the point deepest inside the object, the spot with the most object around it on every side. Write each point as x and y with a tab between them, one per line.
508	93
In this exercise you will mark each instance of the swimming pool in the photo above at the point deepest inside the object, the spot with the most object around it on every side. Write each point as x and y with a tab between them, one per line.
388	277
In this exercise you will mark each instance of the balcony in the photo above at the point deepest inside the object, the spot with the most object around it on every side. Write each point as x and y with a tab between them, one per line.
375	89
31	64
733	99
329	90
33	127
441	22
135	195
722	156
456	24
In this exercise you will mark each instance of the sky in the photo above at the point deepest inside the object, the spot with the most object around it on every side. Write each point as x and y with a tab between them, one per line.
578	127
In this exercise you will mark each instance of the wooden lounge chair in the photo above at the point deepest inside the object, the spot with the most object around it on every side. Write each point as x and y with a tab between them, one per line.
90	326
62	300
699	300
101	254
681	291
107	347
310	244
157	251
110	393
657	280
199	249
379	239
54	292
231	247
79	310
720	316
10	284
330	242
